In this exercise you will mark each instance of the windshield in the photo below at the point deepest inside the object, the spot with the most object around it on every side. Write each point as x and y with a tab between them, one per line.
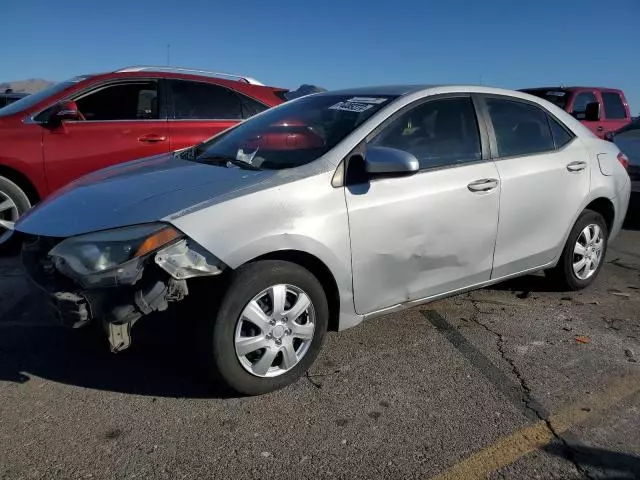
559	97
31	100
290	135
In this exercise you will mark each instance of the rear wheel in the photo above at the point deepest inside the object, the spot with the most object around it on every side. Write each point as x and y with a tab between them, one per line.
13	204
583	254
269	328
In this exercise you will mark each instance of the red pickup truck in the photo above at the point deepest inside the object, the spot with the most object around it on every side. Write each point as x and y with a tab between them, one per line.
602	110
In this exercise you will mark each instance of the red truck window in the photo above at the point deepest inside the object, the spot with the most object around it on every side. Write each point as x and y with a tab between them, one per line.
613	106
580	103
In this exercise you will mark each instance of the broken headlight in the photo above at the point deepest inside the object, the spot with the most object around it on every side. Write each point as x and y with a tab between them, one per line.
97	253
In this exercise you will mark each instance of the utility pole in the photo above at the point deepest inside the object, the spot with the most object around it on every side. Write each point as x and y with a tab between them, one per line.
168	54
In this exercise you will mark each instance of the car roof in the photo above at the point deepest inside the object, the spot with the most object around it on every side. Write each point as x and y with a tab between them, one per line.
381	90
403	90
233	81
574	87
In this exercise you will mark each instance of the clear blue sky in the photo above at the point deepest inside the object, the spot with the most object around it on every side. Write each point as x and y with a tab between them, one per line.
334	43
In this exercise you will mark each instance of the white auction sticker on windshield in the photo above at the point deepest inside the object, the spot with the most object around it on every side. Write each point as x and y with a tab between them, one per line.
373	100
351	107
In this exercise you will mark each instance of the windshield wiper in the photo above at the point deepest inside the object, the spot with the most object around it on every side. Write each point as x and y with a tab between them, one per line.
227	160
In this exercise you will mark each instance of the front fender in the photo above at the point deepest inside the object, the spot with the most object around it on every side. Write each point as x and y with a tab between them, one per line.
33	172
306	215
340	270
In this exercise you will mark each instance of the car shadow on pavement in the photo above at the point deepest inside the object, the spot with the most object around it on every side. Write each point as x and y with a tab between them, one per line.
523	286
161	361
615	465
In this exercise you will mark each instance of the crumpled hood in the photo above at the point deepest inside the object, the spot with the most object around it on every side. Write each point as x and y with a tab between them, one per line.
141	191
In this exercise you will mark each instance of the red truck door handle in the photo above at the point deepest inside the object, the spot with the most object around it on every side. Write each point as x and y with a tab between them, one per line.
600	128
152	138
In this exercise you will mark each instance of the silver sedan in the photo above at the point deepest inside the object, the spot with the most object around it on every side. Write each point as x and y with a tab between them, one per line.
325	211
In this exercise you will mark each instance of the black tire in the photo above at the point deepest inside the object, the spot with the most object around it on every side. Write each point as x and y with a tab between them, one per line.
562	274
219	330
21	201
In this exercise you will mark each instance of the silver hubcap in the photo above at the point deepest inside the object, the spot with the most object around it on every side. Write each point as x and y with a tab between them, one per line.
587	252
8	208
275	331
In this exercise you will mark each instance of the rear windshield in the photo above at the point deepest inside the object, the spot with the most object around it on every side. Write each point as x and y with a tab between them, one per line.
556	96
291	134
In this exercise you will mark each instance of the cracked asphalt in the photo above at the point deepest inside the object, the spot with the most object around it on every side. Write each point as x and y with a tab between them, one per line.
515	381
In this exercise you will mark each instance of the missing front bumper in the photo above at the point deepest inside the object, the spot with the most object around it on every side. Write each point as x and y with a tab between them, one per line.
117	308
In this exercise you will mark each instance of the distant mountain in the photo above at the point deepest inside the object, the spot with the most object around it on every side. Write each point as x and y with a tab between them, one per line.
31	85
304	89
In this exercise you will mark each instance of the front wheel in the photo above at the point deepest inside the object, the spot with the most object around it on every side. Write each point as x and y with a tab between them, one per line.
583	254
269	328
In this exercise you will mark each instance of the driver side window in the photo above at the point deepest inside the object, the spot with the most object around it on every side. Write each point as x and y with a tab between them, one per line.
580	103
123	101
438	133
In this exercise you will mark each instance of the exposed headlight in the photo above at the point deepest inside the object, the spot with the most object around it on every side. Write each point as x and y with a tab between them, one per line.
99	252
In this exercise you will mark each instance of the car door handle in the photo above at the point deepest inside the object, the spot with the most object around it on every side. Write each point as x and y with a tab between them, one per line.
152	138
576	166
483	185
600	128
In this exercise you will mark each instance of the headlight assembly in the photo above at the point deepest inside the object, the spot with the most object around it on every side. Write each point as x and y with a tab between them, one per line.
101	252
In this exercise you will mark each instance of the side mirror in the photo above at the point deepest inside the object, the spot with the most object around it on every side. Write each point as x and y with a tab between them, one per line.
592	112
64	111
379	160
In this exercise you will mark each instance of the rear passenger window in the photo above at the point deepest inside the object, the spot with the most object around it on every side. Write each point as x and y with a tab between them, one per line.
560	134
196	100
439	132
613	106
520	128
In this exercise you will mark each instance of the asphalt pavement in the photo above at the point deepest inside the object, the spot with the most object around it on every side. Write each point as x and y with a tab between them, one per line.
515	381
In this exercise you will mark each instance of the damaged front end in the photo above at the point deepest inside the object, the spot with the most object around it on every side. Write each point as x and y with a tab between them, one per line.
115	276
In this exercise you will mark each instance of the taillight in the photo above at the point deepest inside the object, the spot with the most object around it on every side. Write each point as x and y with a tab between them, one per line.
624	160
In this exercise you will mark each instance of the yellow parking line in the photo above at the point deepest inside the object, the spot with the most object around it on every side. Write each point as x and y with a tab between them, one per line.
509	449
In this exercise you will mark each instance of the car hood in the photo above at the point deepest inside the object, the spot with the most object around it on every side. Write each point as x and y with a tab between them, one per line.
135	192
